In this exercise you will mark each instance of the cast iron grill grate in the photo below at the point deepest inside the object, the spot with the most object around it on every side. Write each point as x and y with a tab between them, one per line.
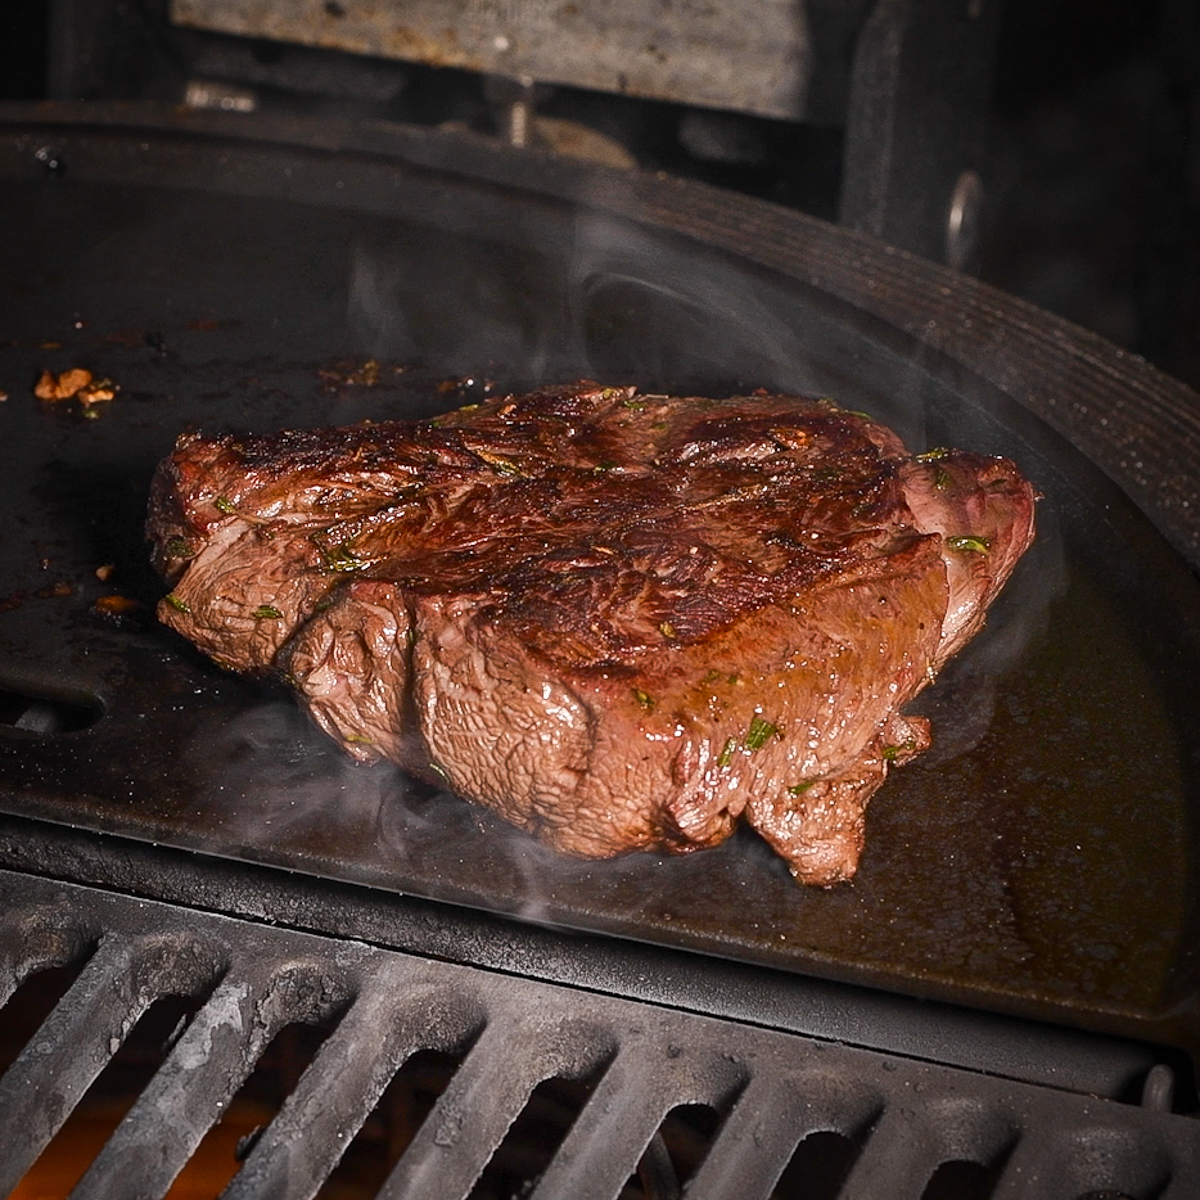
383	1007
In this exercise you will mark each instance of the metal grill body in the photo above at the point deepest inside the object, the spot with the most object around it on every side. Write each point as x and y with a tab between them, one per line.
774	1088
675	993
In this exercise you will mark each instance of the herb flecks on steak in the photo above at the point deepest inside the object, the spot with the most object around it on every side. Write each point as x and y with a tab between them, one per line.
621	621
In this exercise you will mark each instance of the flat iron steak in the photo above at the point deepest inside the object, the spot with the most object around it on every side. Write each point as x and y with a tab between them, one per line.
621	621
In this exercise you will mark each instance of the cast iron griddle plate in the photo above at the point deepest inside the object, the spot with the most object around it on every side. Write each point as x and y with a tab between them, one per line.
1037	860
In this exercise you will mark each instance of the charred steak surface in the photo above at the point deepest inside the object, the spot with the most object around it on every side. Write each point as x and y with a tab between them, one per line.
621	621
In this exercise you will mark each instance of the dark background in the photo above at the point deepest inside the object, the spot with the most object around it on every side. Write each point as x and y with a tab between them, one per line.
1094	176
1095	170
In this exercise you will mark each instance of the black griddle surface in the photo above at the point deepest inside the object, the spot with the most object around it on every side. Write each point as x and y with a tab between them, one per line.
1037	860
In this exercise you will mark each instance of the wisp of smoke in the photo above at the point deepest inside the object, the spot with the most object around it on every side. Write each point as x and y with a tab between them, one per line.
376	319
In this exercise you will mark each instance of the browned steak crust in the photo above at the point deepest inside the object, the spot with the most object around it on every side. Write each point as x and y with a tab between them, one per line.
621	621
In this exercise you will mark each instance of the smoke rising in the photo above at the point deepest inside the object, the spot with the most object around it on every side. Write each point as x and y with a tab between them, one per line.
374	314
623	305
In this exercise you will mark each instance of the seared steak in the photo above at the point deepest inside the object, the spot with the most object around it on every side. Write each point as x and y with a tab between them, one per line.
621	621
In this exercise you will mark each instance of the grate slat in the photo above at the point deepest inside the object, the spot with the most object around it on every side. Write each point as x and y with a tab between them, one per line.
1032	1170
186	1097
395	1014
32	941
899	1158
755	1144
512	1056
610	1135
1093	1157
52	1073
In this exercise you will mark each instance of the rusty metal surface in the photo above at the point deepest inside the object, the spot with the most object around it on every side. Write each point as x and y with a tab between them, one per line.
1007	871
695	52
769	1090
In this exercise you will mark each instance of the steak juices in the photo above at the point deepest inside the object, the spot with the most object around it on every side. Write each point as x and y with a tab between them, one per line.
621	621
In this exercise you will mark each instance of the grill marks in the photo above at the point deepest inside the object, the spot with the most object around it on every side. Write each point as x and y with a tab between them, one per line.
573	605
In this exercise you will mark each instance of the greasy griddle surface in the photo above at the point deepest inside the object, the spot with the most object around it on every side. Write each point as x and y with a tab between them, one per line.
1036	860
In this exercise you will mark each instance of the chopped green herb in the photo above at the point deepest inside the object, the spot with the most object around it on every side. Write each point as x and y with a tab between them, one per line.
759	733
178	602
967	542
267	612
798	789
941	479
636	405
857	412
933	455
604	465
224	504
357	739
726	755
438	770
498	463
713	676
647	702
178	547
340	558
891	753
